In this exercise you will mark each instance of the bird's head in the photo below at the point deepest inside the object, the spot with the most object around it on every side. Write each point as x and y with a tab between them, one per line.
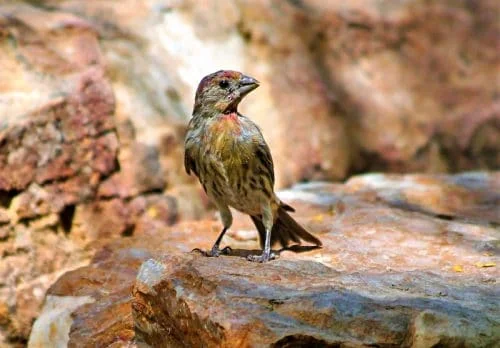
222	91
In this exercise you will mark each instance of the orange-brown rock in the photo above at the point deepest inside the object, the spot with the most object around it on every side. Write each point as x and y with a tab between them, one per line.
114	218
345	86
95	96
397	268
58	144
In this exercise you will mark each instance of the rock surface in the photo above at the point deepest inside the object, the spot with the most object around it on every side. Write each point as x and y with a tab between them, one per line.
360	86
95	96
400	266
57	142
189	301
60	148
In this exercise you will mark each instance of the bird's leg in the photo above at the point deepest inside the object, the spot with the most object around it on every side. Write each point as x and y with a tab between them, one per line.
267	220
215	249
227	220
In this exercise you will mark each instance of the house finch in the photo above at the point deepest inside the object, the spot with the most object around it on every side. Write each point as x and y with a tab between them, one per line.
230	157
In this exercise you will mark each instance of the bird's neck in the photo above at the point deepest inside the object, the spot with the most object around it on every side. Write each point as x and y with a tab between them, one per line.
225	125
231	117
210	111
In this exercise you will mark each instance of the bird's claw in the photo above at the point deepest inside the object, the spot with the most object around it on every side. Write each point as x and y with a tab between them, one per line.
265	257
226	251
214	252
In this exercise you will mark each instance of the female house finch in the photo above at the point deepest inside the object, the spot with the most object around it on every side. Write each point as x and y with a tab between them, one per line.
230	157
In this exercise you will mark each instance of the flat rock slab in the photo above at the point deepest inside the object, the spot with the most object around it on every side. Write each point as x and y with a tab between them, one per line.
192	301
407	261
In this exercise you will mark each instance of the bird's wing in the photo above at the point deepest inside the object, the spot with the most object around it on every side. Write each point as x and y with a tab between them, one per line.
261	149
189	162
263	154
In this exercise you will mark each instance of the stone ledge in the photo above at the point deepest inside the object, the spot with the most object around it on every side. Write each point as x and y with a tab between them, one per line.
397	268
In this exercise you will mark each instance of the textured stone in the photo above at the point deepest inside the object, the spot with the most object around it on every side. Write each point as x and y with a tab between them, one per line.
191	301
116	217
149	89
140	172
31	261
376	85
95	97
405	74
60	146
57	142
469	196
109	291
392	271
52	329
63	138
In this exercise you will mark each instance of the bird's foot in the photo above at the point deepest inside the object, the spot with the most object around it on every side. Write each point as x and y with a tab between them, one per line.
214	252
262	258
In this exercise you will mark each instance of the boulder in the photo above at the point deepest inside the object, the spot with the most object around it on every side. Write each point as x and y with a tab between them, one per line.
59	148
345	87
57	142
399	266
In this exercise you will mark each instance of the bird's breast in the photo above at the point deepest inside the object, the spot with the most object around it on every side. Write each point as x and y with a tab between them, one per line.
229	125
225	136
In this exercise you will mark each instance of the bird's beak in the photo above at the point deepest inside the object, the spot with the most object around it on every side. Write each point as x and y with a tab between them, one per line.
247	84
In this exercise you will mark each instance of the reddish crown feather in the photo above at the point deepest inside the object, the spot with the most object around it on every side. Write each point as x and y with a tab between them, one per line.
215	78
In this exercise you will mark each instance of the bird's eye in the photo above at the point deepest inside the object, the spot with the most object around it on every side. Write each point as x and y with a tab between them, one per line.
224	84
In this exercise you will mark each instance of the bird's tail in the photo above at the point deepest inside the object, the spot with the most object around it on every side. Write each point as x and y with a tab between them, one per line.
285	230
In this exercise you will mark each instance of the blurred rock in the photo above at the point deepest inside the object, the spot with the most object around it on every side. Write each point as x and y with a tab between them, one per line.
114	218
140	172
400	86
392	271
59	144
416	80
56	143
151	91
472	196
346	87
56	310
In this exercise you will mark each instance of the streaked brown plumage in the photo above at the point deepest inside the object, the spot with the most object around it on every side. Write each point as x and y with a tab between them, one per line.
229	155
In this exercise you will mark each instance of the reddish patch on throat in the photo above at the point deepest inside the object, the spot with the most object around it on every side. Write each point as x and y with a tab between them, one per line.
233	116
229	122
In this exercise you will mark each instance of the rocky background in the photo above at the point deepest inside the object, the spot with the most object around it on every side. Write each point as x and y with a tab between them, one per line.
94	99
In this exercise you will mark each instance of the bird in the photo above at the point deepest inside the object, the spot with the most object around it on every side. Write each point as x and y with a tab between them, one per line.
228	153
